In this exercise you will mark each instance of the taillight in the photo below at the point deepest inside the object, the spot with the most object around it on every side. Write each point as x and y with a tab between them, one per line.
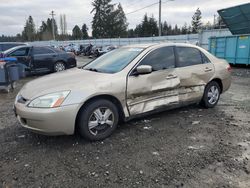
229	68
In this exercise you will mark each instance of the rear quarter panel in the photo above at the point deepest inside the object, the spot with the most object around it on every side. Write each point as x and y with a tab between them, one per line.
221	70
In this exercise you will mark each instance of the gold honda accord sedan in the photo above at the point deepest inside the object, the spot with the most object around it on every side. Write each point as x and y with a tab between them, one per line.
123	84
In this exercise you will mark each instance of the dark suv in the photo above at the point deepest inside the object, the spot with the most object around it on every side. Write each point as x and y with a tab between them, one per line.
7	45
37	59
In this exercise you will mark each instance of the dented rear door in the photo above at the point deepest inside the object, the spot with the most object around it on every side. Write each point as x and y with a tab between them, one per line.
194	70
155	90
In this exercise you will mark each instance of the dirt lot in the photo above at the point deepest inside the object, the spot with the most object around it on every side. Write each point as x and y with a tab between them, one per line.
187	147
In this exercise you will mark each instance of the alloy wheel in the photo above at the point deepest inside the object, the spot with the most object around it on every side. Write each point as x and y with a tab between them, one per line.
213	95
59	67
100	120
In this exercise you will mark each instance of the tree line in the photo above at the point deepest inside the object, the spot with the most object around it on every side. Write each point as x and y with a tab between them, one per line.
109	21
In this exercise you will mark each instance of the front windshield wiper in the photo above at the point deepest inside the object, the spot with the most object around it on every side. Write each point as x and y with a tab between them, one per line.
92	69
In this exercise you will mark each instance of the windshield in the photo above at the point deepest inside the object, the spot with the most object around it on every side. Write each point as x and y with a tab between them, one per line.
113	61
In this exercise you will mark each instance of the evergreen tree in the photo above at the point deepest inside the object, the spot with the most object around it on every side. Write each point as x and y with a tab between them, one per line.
138	31
176	31
147	28
196	21
76	33
119	22
84	30
108	21
101	20
131	33
29	31
153	28
184	29
164	28
45	30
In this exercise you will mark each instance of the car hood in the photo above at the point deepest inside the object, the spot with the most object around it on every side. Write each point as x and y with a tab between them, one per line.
73	79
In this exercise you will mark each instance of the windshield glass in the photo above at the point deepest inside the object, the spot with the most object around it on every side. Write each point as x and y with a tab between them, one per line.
113	61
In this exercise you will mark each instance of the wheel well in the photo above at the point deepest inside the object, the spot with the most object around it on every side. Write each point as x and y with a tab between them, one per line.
110	98
219	82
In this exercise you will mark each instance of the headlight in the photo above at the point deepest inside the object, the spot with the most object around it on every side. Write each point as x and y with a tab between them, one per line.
52	100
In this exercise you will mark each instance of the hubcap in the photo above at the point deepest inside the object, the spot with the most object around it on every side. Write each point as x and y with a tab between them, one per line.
100	120
213	95
59	67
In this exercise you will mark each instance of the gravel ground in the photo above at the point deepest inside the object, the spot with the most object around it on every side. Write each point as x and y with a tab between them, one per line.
186	147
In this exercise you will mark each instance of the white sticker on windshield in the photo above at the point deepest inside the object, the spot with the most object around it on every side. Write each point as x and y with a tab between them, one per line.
135	49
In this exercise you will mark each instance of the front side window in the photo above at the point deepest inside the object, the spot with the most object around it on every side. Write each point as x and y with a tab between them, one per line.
188	56
159	59
42	50
20	52
114	61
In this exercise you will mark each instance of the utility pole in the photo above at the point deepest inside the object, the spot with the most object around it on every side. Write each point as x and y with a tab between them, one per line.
159	18
160	15
214	20
53	24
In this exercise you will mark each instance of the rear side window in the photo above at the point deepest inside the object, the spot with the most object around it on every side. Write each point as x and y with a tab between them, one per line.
20	52
42	50
159	59
188	56
205	58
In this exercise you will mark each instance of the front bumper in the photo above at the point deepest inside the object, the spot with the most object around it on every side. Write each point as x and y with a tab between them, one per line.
47	121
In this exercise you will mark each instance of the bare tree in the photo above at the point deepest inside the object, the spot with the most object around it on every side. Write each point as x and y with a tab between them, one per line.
63	24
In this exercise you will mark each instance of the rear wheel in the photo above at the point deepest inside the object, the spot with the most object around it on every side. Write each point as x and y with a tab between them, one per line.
98	120
59	66
211	95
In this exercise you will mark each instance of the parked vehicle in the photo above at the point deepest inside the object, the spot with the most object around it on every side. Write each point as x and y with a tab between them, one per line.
7	45
82	49
126	83
37	59
102	50
88	50
71	48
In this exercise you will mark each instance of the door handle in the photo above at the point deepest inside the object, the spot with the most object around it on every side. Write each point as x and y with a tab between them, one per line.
207	69
170	76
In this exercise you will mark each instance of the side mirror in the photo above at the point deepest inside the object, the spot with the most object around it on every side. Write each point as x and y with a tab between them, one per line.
143	69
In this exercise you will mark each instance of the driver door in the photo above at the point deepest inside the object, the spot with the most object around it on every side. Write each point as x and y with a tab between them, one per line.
22	55
147	92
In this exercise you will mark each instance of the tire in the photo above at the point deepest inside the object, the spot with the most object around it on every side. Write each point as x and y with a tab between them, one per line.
92	125
59	66
211	95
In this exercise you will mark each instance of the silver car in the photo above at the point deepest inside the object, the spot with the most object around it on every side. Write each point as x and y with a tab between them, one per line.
128	82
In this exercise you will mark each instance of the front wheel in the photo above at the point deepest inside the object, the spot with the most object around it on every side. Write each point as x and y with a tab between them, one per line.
98	120
211	95
59	66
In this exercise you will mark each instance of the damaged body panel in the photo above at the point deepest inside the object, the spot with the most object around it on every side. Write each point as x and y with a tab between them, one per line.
151	91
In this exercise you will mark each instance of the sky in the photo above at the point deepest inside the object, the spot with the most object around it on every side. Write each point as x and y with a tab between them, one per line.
15	12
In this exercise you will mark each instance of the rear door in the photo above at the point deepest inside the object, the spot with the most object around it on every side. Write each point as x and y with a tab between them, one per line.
43	58
155	90
194	70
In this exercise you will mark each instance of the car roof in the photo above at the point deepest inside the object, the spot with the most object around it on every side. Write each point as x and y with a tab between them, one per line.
147	45
13	43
